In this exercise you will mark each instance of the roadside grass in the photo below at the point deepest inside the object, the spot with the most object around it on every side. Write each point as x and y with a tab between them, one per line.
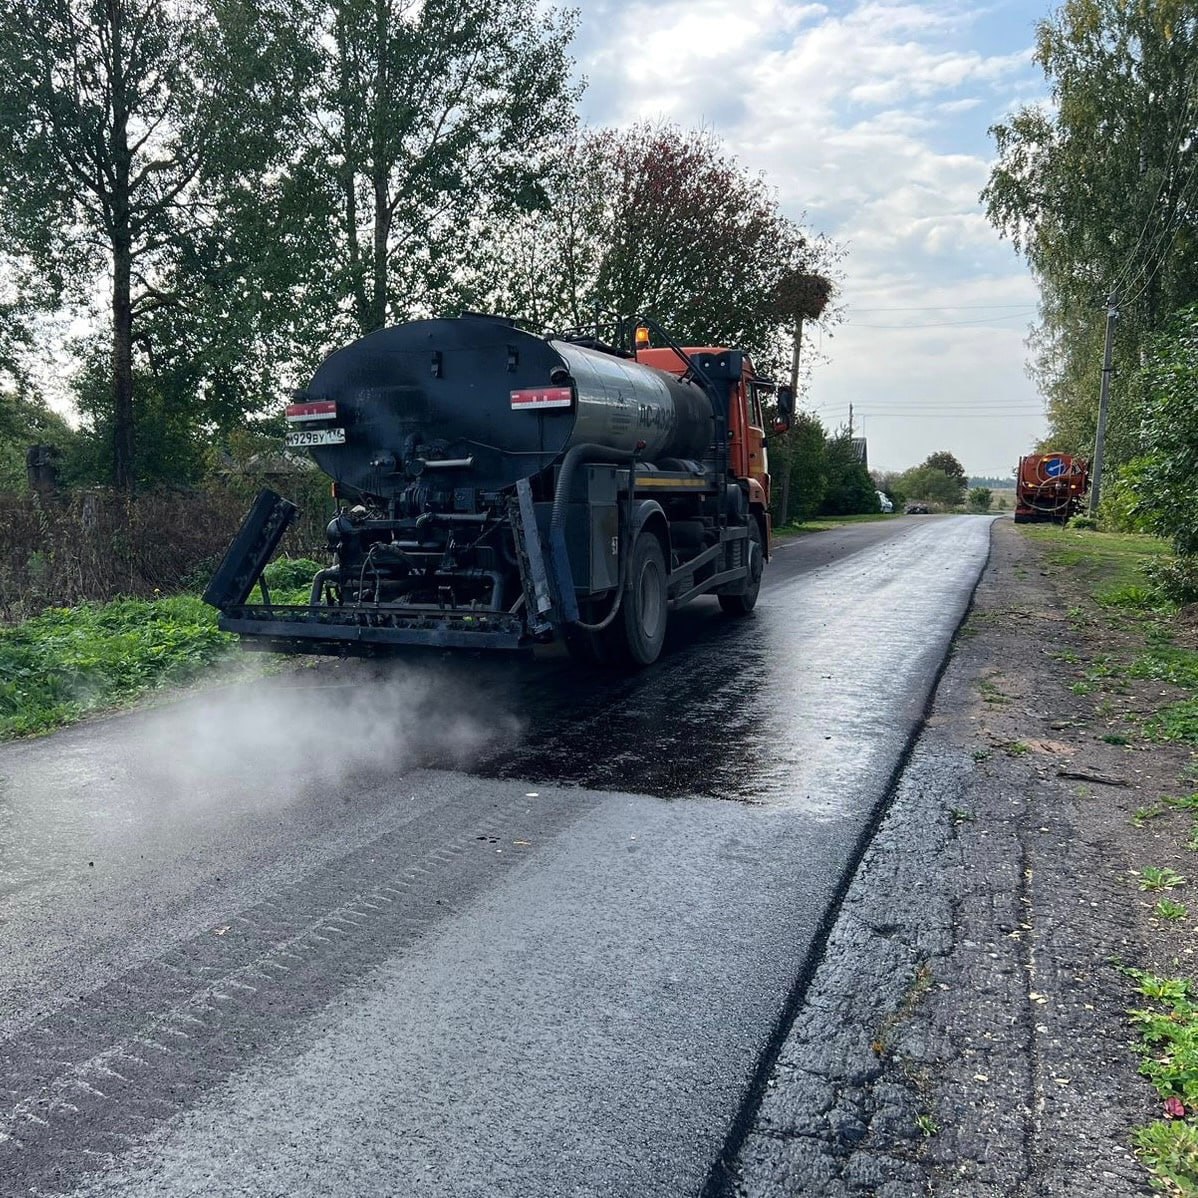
66	663
1167	1046
821	523
1141	669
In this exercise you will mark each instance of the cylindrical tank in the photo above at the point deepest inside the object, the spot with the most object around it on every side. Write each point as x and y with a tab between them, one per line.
479	390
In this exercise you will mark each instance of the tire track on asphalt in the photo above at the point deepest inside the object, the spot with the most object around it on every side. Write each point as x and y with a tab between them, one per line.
218	1002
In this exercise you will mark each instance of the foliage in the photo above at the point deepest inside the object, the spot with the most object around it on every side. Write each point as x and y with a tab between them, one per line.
1166	487
109	121
68	661
927	483
980	498
432	136
891	483
25	420
1122	508
94	544
798	470
849	489
1169	1149
1175	579
637	220
1094	189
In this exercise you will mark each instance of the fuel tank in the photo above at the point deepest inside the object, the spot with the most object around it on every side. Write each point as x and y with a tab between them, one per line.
483	404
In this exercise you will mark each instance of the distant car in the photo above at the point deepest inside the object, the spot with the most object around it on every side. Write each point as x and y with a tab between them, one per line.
917	509
884	502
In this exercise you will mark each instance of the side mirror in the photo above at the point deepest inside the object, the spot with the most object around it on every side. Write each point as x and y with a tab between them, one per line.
786	403
785	398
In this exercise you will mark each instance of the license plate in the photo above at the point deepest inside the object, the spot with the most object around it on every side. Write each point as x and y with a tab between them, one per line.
316	436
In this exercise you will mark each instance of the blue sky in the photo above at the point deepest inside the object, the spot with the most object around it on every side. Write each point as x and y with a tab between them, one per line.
870	120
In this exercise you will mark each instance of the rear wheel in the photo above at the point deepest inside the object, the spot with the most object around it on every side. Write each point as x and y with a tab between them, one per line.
744	602
637	634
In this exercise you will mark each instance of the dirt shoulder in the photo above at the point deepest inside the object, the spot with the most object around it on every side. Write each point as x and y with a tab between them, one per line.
966	1032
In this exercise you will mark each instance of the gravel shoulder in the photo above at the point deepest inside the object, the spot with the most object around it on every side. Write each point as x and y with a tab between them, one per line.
965	1032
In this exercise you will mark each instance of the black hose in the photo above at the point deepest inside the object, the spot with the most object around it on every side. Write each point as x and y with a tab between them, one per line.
558	515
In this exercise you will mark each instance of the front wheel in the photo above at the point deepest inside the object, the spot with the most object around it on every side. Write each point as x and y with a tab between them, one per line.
744	602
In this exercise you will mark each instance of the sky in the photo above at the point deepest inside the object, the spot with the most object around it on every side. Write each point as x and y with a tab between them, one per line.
870	120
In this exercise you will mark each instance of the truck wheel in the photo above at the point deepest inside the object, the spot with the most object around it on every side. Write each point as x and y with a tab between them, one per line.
640	627
746	600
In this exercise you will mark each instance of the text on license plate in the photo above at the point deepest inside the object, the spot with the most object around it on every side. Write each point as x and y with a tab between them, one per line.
316	436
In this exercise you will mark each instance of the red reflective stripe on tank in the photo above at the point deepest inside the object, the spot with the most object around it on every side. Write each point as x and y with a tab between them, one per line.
322	409
543	397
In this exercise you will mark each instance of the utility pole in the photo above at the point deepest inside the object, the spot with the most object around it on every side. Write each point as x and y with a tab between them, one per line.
1104	399
850	419
794	359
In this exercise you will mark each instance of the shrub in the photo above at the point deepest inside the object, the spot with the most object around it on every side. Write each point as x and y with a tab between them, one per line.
1083	523
1174	579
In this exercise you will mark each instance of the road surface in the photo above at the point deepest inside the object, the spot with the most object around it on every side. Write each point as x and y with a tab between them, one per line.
456	928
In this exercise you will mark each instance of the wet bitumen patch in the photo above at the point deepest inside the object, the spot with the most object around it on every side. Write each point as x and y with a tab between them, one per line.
963	1034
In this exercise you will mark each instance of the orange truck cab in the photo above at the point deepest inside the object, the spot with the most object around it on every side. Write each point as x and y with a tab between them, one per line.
748	456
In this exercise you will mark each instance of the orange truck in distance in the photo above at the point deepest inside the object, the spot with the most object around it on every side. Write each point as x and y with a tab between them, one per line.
1050	487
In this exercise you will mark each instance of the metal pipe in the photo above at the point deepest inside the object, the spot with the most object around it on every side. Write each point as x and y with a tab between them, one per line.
448	463
318	581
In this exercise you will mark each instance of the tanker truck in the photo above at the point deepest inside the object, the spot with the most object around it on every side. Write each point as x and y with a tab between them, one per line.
1050	486
498	489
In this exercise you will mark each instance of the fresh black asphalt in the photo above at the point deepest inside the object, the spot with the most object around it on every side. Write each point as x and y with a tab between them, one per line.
458	927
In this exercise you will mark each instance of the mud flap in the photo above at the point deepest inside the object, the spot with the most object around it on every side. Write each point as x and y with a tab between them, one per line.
252	547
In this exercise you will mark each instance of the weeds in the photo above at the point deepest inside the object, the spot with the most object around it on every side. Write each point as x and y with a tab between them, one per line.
69	661
1168	909
1160	877
926	1125
1168	1050
1144	814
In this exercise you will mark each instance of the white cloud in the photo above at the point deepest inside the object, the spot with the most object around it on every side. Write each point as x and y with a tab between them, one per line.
871	119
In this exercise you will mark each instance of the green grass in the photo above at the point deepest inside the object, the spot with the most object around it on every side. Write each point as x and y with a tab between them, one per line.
820	523
1111	563
1176	722
1168	1050
1153	877
69	662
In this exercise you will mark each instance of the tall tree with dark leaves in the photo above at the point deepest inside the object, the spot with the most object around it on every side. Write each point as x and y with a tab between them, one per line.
102	132
661	221
1100	192
427	127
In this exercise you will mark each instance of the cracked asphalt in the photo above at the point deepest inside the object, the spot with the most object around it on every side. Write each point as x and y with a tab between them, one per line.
476	928
963	1035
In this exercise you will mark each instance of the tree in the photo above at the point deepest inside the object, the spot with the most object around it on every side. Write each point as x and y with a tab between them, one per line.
798	470
428	126
109	111
1165	481
947	463
850	490
979	499
928	483
1097	191
660	221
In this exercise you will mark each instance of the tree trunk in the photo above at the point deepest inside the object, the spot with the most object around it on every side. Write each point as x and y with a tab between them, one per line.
382	234
124	474
122	369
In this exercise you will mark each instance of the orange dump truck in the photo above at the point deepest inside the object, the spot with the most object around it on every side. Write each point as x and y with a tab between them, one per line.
1050	486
